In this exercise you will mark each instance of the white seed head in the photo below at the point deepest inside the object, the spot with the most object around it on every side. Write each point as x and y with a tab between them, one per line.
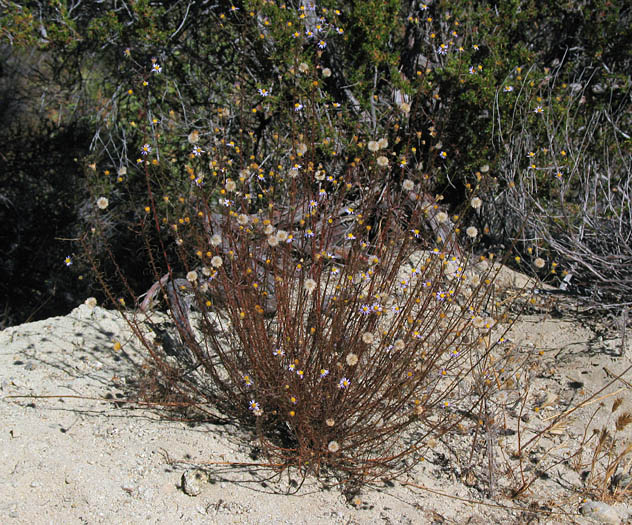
539	262
382	161
273	241
192	276
194	137
326	72
102	203
476	203
441	217
216	261
281	235
310	285
373	146
352	359
471	231
230	185
408	185
368	338
333	447
243	219
90	302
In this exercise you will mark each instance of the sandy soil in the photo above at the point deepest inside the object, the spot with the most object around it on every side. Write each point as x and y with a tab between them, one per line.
82	460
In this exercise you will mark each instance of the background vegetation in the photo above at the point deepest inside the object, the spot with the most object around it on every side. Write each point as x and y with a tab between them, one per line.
469	78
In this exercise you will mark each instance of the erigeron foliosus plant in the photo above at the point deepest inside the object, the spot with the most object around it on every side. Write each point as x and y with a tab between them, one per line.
319	292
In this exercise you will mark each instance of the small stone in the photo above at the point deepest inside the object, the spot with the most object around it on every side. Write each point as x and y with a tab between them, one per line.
192	481
601	512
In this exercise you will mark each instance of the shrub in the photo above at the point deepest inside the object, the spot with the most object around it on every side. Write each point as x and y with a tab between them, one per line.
332	325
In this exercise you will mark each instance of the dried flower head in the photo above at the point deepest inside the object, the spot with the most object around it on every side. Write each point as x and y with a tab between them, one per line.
269	229
192	276
352	359
471	232
333	447
230	185
326	72
310	285
441	217
273	241
405	107
383	143
216	240
194	137
90	302
216	261
330	422
301	149
373	146
303	67
539	262
281	235
243	219
102	203
476	203
623	421
408	185
382	161
399	344
368	338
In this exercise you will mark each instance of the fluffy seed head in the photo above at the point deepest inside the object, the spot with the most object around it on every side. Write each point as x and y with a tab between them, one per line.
333	447
230	185
368	338
216	261
441	217
373	146
471	232
310	285
408	185
102	203
352	359
216	240
194	137
382	161
243	219
90	302
539	262
476	203
192	276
